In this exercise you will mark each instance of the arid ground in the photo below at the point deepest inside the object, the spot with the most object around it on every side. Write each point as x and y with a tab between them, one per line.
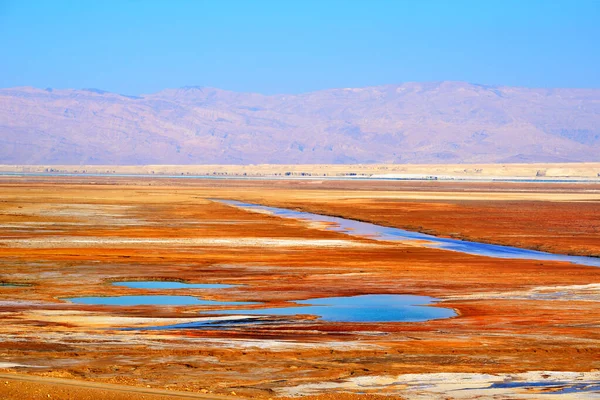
589	171
523	328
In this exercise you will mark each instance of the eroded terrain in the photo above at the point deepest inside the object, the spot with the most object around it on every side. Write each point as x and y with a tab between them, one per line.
522	327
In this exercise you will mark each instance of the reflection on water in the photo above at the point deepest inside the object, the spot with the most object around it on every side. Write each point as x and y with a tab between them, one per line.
365	308
170	285
553	387
378	232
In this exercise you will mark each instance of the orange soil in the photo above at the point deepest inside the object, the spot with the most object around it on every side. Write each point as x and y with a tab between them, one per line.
493	333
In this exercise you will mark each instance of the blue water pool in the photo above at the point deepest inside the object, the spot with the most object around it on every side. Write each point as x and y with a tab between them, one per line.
170	285
364	308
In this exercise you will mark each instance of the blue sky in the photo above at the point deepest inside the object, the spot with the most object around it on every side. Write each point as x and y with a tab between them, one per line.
289	46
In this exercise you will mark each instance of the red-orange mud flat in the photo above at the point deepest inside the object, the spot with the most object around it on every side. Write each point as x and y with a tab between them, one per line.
71	237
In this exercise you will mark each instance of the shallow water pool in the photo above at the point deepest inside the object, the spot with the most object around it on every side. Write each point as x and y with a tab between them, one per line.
170	285
363	308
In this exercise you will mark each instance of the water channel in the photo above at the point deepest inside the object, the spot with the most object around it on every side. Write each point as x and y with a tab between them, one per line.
379	232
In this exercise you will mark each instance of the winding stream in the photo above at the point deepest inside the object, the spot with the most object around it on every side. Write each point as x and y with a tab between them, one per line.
378	232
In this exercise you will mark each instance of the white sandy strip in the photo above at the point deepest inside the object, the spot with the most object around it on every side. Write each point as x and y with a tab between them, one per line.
101	320
590	292
52	242
83	318
173	340
457	385
483	196
15	365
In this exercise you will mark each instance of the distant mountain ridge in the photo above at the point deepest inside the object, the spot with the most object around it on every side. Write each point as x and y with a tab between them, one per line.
437	122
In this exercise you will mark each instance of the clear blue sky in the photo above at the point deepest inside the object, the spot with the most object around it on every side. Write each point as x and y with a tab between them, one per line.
290	46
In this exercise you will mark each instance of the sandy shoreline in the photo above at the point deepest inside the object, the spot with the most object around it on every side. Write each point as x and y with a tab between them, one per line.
470	172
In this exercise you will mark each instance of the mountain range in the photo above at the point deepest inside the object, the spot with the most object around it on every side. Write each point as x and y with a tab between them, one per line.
437	122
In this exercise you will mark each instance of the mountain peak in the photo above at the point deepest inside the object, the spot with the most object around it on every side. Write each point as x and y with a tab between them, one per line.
411	122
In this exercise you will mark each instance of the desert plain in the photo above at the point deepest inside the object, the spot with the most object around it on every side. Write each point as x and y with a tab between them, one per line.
520	328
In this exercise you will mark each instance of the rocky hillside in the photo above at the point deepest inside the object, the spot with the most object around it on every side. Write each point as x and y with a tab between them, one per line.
444	122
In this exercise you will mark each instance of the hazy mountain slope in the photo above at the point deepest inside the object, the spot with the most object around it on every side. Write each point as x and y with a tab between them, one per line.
412	122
